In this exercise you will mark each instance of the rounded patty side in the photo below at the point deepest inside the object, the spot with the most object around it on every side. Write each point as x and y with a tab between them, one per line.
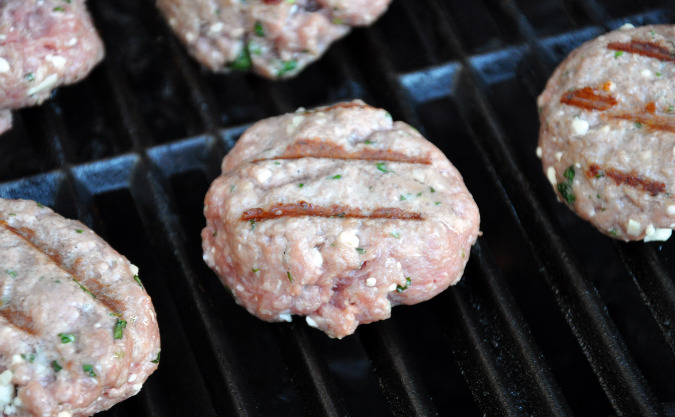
607	136
78	332
337	214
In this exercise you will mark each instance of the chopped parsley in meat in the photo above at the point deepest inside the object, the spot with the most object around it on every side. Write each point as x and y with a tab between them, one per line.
118	331
565	188
400	288
67	337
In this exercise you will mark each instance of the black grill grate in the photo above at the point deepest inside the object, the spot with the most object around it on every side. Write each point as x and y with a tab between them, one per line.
551	319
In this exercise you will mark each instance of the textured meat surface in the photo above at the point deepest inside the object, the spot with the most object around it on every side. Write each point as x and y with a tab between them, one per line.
43	44
337	214
78	332
276	38
607	137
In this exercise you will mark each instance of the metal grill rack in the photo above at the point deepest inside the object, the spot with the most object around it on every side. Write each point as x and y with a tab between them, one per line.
551	318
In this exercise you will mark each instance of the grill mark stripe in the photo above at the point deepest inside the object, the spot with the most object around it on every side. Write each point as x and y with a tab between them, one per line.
588	98
317	148
644	48
305	209
19	320
631	179
111	304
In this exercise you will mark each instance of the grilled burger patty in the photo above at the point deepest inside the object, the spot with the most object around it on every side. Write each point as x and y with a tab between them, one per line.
78	332
607	138
276	38
337	214
43	44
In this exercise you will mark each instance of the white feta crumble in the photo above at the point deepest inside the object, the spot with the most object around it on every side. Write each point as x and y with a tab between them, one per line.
190	37
4	65
348	238
296	120
217	27
580	126
56	60
6	389
539	152
132	378
65	414
315	257
671	210
16	359
311	323
627	26
45	84
262	175
611	86
392	287
646	155
634	228
71	42
286	317
137	387
550	174
654	234
558	156
134	269
646	73
370	282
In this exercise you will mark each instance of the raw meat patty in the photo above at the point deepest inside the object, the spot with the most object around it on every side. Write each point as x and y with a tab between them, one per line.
276	38
78	332
337	214
43	44
607	138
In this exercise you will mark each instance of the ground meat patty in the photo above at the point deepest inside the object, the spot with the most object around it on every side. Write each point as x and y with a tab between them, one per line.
43	44
78	332
276	38
337	214
607	138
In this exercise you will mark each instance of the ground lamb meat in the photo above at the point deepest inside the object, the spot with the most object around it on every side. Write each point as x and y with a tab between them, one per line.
337	214
43	44
607	138
78	332
276	38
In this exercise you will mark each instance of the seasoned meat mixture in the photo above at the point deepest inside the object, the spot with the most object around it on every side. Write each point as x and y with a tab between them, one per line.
275	38
337	214
78	332
43	44
607	138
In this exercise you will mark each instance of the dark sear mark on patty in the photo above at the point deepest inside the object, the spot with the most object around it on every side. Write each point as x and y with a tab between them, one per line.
644	48
18	319
305	209
591	99
93	288
631	179
317	148
588	98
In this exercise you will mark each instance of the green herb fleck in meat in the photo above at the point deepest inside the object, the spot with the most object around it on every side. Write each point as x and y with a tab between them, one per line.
400	288
368	142
255	269
56	366
287	66
301	185
432	189
28	358
79	230
10	273
259	29
403	198
382	167
618	54
89	369
59	9
32	78
138	280
361	250
157	360
290	277
565	188
336	177
119	329
242	62
438	203
83	288
396	234
252	224
638	125
67	337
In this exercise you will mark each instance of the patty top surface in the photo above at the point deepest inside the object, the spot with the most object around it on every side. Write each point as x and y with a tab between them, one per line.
44	44
337	213
274	38
607	136
78	332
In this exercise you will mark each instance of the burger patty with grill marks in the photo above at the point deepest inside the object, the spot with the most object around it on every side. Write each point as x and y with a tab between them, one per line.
43	44
336	214
607	137
274	38
78	332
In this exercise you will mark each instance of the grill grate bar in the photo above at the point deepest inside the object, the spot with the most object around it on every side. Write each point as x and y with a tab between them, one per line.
654	284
